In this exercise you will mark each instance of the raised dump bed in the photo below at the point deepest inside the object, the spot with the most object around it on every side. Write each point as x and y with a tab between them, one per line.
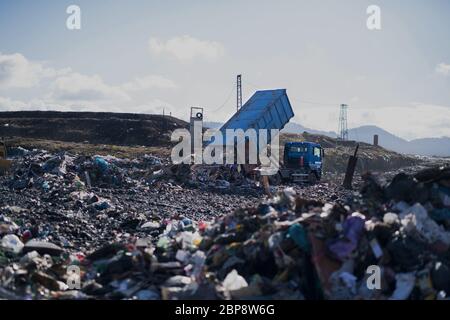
266	109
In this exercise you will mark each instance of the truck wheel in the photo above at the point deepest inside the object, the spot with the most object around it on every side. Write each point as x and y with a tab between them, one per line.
275	179
312	178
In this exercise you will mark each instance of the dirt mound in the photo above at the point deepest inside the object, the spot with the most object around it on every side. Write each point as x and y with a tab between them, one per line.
93	127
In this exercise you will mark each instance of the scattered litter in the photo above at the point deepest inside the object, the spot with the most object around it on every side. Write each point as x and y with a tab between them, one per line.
145	229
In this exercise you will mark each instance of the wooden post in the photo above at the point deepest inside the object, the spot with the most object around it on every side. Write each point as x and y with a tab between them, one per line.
351	169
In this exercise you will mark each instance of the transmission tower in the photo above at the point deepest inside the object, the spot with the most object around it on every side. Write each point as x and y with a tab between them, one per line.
343	130
239	92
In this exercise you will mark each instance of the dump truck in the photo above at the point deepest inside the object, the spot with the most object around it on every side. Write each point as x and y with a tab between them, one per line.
302	162
266	109
271	109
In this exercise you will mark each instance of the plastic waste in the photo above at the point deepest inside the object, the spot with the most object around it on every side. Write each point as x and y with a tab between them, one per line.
444	193
275	240
416	219
147	295
404	285
400	206
101	163
391	218
12	243
163	243
197	264
299	235
52	164
353	228
45	186
26	235
102	205
189	239
222	184
343	286
182	255
151	225
233	281
376	249
78	183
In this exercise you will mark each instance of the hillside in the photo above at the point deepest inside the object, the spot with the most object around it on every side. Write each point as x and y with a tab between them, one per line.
92	127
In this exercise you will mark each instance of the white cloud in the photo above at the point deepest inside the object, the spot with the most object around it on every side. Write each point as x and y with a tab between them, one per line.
66	90
8	104
16	71
443	68
149	82
187	48
78	87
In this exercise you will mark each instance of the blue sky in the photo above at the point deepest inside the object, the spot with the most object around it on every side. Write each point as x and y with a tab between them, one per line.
143	56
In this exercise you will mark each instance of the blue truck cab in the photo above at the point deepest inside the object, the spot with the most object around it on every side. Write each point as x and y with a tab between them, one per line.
302	162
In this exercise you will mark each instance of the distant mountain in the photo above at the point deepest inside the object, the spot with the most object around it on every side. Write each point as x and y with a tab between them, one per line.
291	127
426	147
385	138
431	146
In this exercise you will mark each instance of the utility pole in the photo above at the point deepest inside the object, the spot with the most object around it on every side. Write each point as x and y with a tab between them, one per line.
343	130
239	92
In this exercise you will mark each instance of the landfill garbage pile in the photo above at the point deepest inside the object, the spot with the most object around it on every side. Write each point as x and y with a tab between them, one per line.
286	247
76	227
219	178
75	203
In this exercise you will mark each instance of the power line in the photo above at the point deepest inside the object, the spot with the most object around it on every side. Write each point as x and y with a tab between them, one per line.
228	99
253	85
324	104
318	103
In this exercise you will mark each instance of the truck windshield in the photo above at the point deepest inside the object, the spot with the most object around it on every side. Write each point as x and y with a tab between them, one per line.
317	152
298	149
